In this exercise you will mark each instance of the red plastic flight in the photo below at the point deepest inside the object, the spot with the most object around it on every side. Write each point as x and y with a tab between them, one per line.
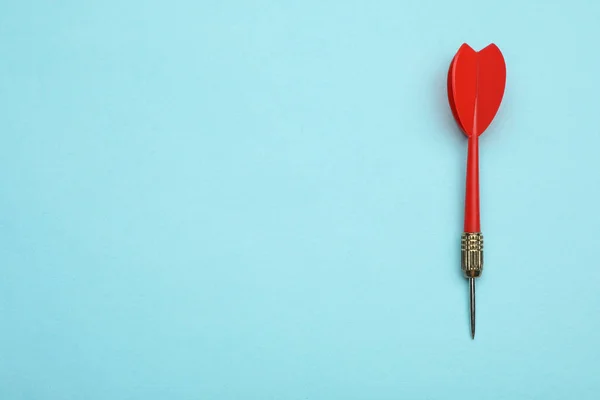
476	81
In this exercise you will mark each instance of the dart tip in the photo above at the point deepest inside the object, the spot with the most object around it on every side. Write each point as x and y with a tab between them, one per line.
472	301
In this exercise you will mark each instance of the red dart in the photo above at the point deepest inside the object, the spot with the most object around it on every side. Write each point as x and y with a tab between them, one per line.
476	81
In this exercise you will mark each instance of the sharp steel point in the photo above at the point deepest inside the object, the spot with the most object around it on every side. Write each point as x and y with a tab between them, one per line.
472	297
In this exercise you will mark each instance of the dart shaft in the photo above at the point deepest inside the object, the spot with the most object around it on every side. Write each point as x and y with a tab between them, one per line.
472	221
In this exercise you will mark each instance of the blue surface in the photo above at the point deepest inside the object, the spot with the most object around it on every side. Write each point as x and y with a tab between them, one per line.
225	200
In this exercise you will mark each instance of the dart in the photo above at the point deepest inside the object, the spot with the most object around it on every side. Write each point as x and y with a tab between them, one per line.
476	81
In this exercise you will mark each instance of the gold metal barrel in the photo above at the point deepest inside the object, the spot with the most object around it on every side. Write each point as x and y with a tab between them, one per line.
471	254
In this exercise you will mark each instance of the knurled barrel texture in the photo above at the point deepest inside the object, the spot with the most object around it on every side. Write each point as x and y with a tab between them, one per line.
471	254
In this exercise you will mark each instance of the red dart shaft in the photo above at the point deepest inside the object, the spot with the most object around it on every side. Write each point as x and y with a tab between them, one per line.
472	222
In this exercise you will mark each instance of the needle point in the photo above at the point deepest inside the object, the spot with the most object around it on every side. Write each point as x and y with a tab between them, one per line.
472	297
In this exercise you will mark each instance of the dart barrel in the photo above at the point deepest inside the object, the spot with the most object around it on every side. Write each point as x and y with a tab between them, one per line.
471	254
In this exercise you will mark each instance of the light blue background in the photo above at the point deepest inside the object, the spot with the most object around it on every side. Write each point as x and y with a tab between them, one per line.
263	200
